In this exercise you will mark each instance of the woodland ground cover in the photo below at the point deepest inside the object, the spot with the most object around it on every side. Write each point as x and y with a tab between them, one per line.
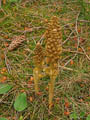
72	87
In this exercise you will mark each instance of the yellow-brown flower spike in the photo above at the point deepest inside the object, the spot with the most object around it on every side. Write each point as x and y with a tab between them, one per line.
38	61
47	64
38	55
53	50
53	40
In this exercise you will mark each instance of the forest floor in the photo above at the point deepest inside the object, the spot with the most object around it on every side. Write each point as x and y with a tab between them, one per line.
72	87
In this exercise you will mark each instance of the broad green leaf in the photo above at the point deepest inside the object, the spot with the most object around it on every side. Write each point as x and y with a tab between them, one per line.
5	88
3	118
20	102
88	117
74	116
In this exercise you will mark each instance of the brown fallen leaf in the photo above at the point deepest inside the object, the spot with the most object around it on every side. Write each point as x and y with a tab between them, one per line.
66	113
31	99
28	29
4	2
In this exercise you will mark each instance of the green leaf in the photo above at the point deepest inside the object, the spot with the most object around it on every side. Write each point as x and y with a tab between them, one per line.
5	88
20	102
74	116
88	117
3	118
82	114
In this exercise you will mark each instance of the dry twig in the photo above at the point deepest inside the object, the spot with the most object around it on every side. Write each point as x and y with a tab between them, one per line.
7	62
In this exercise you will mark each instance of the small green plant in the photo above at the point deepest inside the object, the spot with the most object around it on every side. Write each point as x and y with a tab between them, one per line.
4	88
82	114
20	102
74	116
